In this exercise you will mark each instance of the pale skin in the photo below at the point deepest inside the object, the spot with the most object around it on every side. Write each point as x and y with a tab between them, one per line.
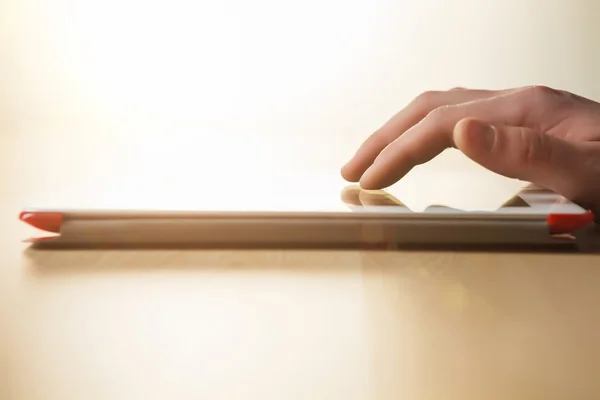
537	134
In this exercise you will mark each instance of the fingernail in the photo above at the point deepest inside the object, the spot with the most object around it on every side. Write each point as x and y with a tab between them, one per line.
479	133
488	135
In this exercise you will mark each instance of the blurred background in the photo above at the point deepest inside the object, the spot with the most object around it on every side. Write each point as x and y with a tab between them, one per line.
266	85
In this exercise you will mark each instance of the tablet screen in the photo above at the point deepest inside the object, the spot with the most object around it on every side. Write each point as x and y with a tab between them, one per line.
353	196
433	192
529	200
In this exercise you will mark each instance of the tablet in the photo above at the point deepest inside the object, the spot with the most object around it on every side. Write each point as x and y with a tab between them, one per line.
354	217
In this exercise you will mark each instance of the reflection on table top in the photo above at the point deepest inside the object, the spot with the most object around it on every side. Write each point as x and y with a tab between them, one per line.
294	324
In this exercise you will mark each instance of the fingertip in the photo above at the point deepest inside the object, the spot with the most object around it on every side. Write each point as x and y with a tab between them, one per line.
351	195
369	182
349	173
362	160
365	183
356	168
465	129
473	135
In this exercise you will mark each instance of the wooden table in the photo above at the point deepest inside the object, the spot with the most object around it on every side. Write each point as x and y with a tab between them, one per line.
271	324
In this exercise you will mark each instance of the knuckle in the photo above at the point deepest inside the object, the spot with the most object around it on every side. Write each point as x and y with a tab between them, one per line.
543	94
543	89
427	99
440	113
541	105
439	123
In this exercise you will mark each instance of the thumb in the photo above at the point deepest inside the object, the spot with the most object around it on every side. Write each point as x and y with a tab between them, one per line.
523	154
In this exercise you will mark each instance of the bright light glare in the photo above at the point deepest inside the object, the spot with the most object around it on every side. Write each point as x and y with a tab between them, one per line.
236	94
207	59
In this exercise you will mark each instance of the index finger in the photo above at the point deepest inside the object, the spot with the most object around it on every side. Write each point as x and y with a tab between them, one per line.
433	135
403	121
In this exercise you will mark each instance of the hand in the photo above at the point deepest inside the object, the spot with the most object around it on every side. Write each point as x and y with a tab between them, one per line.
536	134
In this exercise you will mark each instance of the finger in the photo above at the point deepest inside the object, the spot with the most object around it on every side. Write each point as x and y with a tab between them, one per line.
378	198
528	155
516	201
433	134
404	120
350	195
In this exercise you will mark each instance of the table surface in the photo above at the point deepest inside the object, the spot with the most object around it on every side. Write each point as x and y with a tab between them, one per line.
271	324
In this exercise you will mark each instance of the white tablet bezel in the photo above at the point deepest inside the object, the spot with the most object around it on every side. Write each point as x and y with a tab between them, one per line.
541	203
